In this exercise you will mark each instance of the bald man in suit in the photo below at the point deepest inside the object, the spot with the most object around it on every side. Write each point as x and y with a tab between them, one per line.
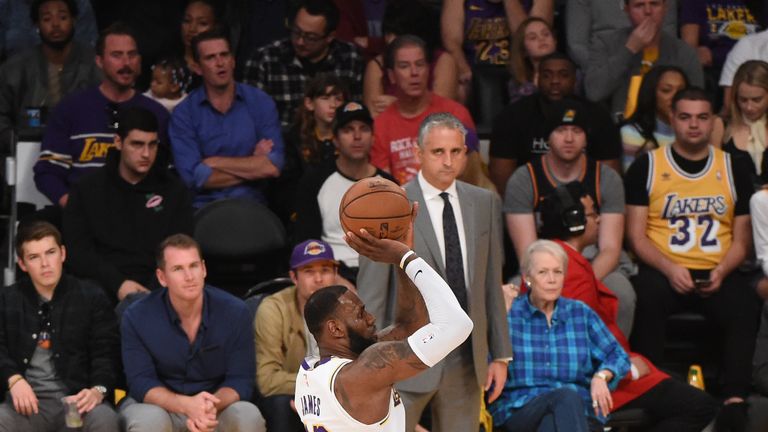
458	233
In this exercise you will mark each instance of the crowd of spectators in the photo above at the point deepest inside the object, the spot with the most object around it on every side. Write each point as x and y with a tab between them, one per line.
634	138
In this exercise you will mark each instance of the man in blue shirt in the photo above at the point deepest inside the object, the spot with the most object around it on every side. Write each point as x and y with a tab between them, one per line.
188	351
225	136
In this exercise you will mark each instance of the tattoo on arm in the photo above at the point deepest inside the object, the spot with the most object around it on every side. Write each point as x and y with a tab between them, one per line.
392	355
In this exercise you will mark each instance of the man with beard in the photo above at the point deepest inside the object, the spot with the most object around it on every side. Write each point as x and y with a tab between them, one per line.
350	386
33	81
459	234
82	127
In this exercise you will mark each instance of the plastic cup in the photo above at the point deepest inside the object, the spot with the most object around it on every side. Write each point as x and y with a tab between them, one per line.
72	417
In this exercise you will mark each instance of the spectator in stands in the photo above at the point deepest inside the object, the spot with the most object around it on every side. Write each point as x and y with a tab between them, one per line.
188	351
476	33
746	133
309	144
586	360
469	257
569	217
34	80
713	27
225	135
320	190
751	47
199	16
118	214
688	224
396	129
170	81
587	20
533	41
409	17
73	348
282	339
564	162
760	362
648	128
81	129
17	33
520	131
311	139
282	68
619	59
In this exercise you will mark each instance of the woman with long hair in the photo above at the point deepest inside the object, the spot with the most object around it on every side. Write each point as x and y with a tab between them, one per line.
533	40
746	132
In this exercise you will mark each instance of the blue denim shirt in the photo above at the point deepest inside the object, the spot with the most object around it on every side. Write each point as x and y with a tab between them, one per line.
157	352
197	131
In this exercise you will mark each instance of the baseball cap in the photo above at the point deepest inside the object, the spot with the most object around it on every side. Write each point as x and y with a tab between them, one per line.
310	251
349	112
568	112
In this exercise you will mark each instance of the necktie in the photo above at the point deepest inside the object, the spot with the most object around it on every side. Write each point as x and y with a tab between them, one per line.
454	265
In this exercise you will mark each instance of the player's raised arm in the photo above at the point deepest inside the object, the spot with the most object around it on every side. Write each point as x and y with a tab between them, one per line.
389	361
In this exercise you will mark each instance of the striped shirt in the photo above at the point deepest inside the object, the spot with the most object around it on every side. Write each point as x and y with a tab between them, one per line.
566	354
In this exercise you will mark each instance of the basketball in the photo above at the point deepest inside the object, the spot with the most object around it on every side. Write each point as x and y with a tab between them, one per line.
377	205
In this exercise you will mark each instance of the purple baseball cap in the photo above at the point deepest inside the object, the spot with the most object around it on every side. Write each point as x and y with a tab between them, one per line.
310	251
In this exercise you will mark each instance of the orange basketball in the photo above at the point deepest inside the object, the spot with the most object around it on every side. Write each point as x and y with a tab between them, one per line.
377	205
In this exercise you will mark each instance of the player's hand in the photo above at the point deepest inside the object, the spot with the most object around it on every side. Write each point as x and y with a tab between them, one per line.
129	287
642	367
601	395
24	399
680	279
382	250
87	399
497	376
715	280
263	147
642	36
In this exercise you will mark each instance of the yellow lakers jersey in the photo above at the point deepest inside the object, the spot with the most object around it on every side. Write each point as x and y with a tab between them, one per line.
690	216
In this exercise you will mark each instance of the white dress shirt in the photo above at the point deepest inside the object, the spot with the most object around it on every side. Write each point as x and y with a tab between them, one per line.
434	205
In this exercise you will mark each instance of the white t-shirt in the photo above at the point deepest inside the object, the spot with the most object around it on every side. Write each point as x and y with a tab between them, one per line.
319	409
750	47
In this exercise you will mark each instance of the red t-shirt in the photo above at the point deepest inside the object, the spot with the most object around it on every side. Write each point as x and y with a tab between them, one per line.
395	137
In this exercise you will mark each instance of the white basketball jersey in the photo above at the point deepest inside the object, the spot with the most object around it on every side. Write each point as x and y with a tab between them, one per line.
319	409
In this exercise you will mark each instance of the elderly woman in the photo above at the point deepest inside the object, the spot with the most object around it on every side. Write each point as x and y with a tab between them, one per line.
566	360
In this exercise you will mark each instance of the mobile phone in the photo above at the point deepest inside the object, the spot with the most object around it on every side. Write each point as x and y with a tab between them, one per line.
701	282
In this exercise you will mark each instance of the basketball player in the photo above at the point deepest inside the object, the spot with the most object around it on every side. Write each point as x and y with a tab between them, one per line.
688	223
349	388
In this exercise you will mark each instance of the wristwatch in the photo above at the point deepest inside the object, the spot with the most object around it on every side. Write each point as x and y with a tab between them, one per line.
603	376
101	389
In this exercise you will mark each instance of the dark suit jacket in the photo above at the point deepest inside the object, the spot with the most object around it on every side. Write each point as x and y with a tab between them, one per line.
481	213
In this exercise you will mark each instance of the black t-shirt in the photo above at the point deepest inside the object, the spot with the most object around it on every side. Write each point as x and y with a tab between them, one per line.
637	176
520	131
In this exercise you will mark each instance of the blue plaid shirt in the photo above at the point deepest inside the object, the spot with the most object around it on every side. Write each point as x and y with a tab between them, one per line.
567	354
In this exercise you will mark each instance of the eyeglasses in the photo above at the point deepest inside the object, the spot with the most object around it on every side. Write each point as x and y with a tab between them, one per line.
113	111
297	33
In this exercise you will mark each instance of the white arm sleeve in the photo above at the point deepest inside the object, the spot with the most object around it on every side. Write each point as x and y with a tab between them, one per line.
448	326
